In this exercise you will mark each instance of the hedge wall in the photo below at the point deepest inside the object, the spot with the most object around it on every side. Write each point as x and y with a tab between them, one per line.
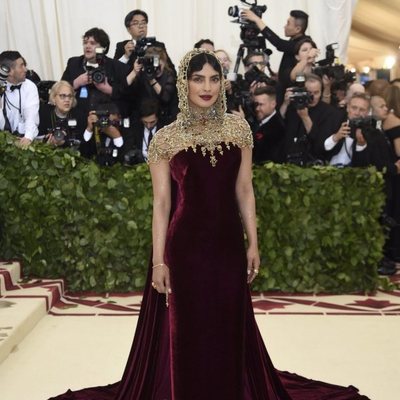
66	217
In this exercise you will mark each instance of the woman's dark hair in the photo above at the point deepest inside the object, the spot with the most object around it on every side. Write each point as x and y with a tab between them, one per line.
301	42
198	61
100	37
198	44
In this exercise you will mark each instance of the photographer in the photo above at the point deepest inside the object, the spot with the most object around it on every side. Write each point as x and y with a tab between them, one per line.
103	136
308	121
152	78
19	102
59	122
136	22
306	52
340	147
295	28
94	75
240	101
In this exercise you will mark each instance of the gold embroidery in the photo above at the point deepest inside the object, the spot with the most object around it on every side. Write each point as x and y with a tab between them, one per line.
207	129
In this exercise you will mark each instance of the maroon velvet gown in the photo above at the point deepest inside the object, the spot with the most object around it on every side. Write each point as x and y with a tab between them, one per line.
206	345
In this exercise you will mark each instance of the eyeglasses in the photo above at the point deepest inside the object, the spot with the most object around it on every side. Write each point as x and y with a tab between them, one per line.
139	24
63	96
260	63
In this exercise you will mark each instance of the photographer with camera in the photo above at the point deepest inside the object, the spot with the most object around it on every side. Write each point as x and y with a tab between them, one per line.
152	78
308	121
19	102
240	101
306	52
102	137
341	147
136	22
94	75
295	28
59	122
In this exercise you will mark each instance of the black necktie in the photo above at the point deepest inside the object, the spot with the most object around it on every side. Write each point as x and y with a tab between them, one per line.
150	135
13	87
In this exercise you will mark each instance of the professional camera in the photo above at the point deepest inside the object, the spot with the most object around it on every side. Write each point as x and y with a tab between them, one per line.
142	45
64	131
300	98
249	32
103	118
255	75
4	71
150	66
367	126
96	70
235	11
329	66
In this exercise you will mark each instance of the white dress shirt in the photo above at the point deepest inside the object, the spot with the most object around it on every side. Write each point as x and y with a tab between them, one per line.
145	143
345	153
22	109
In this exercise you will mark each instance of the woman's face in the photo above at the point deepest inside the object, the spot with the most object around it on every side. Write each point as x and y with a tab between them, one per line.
304	51
63	100
204	87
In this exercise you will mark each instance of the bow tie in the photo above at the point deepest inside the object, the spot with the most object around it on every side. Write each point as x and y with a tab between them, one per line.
13	87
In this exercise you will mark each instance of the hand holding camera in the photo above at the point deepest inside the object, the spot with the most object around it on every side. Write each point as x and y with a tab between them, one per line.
129	48
342	133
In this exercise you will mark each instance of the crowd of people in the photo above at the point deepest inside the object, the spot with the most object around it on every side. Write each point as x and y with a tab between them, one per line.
307	113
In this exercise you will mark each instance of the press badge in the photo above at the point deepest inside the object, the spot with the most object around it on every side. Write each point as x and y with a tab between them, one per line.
83	94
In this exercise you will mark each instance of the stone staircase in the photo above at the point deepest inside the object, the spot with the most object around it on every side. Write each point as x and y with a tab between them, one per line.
22	304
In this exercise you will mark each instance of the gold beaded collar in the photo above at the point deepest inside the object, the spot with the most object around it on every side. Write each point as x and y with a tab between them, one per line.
208	129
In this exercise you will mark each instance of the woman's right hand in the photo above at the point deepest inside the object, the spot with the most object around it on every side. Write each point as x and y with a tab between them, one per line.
160	278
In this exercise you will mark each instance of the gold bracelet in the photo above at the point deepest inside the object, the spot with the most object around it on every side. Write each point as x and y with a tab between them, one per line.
159	265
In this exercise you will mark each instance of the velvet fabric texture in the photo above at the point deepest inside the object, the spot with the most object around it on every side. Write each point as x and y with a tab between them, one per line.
206	345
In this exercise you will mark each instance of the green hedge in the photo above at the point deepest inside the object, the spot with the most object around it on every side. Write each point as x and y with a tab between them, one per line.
66	217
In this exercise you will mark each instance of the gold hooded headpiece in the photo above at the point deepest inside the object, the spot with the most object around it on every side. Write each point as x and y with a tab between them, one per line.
187	116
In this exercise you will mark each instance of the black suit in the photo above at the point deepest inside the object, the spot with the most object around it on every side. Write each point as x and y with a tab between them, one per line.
133	138
269	141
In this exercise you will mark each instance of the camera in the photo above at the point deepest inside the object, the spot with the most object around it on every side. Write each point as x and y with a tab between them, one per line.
329	67
64	131
142	45
96	70
4	71
249	32
235	11
367	126
150	66
103	118
300	98
255	75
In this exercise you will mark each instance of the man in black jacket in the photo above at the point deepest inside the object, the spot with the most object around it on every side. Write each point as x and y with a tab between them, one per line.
95	77
295	28
136	24
269	133
309	121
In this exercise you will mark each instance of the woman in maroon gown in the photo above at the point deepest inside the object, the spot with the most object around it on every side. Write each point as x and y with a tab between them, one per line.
197	338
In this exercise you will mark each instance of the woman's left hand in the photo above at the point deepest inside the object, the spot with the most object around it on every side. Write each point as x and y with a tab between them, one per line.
253	264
